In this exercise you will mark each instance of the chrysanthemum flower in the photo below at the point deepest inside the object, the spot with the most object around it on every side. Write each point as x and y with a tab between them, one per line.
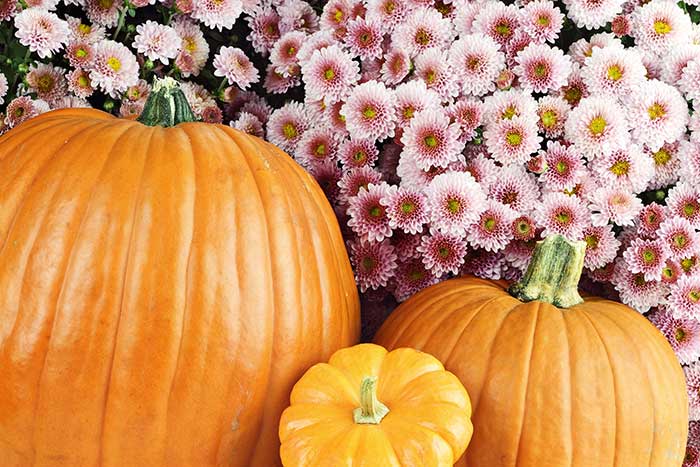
23	108
42	31
617	205
575	89
157	41
483	169
485	265
621	25
8	8
217	14
277	83
442	253
612	71
492	231
498	21
456	200
388	13
114	68
80	54
592	14
335	16
668	163
465	14
317	145
675	61
368	218
542	68
682	334
582	48
601	246
561	214
647	257
552	112
523	228
423	29
249	123
515	188
295	15
659	113
433	68
406	208
477	62
370	111
661	25
355	153
431	140
683	200
353	180
264	28
692	382
396	66
330	74
232	63
364	38
83	32
680	237
411	277
597	126
103	12
650	219
510	104
512	141
468	114
628	168
286	126
671	272
374	263
192	45
684	297
541	20
212	114
3	87
634	290
47	81
283	55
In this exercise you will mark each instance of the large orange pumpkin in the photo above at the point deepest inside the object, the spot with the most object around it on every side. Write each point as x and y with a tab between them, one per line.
161	290
555	381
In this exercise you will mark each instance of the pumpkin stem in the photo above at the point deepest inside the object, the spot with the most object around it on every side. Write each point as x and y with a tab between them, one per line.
166	105
553	273
370	411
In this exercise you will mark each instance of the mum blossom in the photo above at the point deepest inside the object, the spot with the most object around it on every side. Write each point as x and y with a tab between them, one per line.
680	237
676	60
510	104
542	68
114	68
433	68
614	72
442	252
601	246
592	14
102	12
541	20
330	74
683	200
689	158
374	263
512	141
284	54
233	64
431	140
456	201
552	112
157	41
217	14
562	214
43	32
682	334
628	168
364	38
193	45
286	126
659	113
612	204
692	382
647	257
565	167
422	29
316	146
23	108
353	180
669	163
515	188
264	28
406	209
650	219
358	153
492	231
388	13
370	111
597	126
634	290
684	298
368	217
249	123
477	62
498	21
412	276
396	66
48	82
468	114
660	25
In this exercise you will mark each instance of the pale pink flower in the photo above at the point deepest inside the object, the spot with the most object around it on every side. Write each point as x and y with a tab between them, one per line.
295	15
669	162
468	114
364	38
552	112
628	168
592	14
433	68
355	153
497	20
541	20
23	108
411	277
233	64
616	205
650	219
396	66
542	68
601	246
370	111
114	68
512	141
283	55
330	74
515	188
335	16
680	238
422	29
48	82
684	297
157	41
647	257
368	218
676	60
492	231
613	71
286	126
42	31
558	213
597	126
682	334
80	54
582	48
249	123
659	26
477	62
456	201
431	140
506	105
83	32
635	291
217	14
264	28
575	89
8	9
277	83
442	252
406	208
388	13
354	179
317	145
374	263
103	12
659	113
412	98
684	200
192	45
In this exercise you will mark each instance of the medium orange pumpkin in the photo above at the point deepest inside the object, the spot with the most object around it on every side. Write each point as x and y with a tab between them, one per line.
554	380
161	289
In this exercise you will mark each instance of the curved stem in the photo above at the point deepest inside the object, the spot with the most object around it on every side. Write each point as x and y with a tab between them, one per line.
553	273
370	411
166	106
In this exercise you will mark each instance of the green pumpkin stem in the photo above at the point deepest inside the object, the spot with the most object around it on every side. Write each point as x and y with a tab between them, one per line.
166	105
370	411
553	273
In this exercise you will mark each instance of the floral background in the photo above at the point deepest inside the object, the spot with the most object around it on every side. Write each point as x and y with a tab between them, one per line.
449	135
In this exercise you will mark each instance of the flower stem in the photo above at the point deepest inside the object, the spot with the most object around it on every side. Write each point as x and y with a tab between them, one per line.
370	411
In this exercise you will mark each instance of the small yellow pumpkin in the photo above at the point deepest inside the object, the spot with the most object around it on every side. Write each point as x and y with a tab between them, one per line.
370	407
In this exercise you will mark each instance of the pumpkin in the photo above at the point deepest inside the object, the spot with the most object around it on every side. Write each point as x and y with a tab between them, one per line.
555	380
163	285
370	407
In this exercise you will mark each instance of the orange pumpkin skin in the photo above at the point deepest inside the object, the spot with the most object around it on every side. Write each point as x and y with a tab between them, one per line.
161	290
594	385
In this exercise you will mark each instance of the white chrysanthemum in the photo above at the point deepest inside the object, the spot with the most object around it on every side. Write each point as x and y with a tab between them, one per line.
114	69
613	71
233	64
423	29
506	105
582	48
676	60
597	126
689	84
660	25
217	14
592	14
193	44
43	32
542	68
157	41
477	62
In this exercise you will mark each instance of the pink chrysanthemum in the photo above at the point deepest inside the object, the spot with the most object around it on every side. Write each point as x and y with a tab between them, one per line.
684	297
634	290
694	434
276	83
335	16
537	164
197	96
515	188
433	68
512	141
388	13
561	214
592	14
483	169
233	64
621	25
456	200
564	167
8	9
510	104
671	272
157	41
627	168
597	126
465	14
102	12
468	114
368	218
582	48
575	89
330	74
523	228
23	108
692	382
659	113
194	48
542	68
411	277
676	60
283	55
114	68
364	38
683	200
422	29
492	231
396	66
689	83
354	153
374	263
476	62
680	238
612	71
431	140
217	14
614	205
689	161
661	25
80	54
286	126
43	32
264	28
406	208
48	82
601	246
370	111
353	180
541	20
317	145
442	253
682	334
412	98
669	163
498	21
552	112
295	15
249	123
647	257
650	219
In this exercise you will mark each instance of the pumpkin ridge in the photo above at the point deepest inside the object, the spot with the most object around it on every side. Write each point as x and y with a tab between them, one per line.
28	134
613	379
127	256
571	392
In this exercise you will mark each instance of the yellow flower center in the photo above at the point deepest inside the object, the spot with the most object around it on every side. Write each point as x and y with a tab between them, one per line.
615	73
368	263
620	168
508	113
540	70
190	44
689	209
44	83
422	37
84	28
591	242
338	16
365	37
320	150
694	295
289	130
389	7
679	240
114	63
473	63
430	141
489	224
408	112
376	211
661	157
369	112
573	95
502	29
561	167
656	111
563	217
543	20
680	335
81	53
687	264
444	252
359	156
513	138
430	76
329	74
549	118
648	256
453	205
83	82
597	126
407	207
105	4
662	27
